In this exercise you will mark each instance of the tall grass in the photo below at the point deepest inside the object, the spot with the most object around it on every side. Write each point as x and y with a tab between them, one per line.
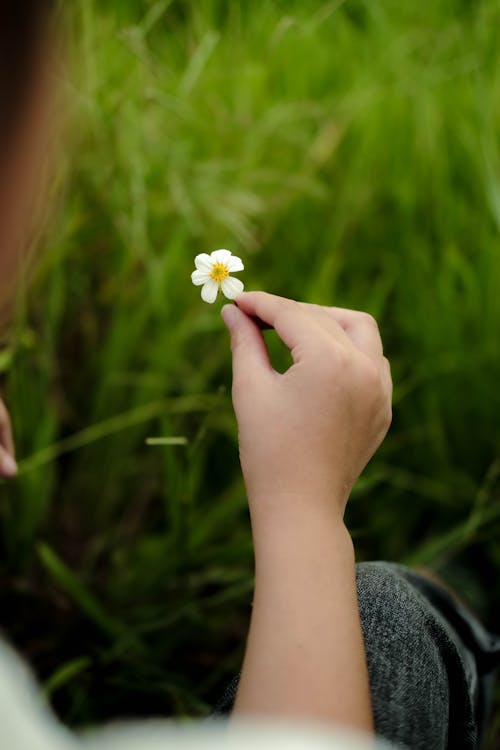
349	152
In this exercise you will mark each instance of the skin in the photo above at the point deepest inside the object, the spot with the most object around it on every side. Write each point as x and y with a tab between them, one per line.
11	259
8	466
13	179
305	436
21	180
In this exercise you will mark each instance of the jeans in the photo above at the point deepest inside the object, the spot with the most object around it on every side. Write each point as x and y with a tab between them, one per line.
431	663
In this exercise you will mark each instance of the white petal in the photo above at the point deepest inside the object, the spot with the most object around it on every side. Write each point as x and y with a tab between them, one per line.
199	277
235	264
209	291
232	287
203	262
220	256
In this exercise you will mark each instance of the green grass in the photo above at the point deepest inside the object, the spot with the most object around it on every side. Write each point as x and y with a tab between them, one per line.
350	153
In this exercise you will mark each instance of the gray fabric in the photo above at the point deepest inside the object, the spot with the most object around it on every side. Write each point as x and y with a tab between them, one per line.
428	661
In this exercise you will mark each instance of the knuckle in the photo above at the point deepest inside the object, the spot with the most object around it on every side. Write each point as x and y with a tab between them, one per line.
335	358
286	314
374	388
387	420
387	366
290	305
312	307
368	320
239	340
371	375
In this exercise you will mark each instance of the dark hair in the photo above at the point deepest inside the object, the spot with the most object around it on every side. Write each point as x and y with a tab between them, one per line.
23	26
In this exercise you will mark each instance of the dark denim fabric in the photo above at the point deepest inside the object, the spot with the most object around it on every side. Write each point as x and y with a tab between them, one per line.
430	661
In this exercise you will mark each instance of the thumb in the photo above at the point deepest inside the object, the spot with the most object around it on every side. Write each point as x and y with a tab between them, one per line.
247	343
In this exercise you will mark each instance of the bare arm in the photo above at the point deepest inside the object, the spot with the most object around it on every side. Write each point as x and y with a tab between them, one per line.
20	187
24	169
305	437
305	655
8	466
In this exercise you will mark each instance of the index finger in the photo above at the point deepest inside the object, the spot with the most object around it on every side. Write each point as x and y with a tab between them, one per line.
293	323
361	327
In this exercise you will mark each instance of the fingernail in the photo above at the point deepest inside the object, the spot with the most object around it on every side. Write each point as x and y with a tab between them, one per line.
9	466
229	315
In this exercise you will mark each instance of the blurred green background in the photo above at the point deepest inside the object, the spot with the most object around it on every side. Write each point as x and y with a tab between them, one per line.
349	152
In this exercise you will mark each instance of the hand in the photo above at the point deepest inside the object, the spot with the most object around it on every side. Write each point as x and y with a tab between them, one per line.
307	433
8	466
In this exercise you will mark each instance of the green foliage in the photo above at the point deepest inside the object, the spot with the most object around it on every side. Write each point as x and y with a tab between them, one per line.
350	153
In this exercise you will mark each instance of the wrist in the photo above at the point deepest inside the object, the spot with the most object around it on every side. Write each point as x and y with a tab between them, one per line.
271	505
298	526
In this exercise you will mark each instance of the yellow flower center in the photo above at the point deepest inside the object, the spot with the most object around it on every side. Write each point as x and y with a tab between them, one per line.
219	272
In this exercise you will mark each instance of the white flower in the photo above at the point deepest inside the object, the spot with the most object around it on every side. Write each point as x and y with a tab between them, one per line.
213	272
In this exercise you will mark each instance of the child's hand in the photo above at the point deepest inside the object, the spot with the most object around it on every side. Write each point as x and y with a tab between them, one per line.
307	434
8	466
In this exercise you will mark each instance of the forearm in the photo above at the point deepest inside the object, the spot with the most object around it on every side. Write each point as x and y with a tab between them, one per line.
305	654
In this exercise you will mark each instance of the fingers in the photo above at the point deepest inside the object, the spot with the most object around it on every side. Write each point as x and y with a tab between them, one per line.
360	327
6	439
386	372
247	344
8	466
292	321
